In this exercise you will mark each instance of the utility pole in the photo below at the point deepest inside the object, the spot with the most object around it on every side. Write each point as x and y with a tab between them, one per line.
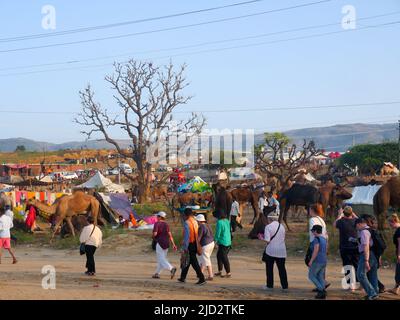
398	151
119	170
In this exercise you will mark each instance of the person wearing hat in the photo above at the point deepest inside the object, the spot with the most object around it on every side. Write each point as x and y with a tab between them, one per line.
206	240
367	263
318	261
348	244
162	235
275	251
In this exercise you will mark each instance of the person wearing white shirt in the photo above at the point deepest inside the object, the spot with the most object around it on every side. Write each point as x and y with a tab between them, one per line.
92	237
262	202
5	225
275	251
10	213
234	214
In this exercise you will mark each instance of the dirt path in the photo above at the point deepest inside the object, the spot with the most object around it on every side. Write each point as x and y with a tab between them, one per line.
125	273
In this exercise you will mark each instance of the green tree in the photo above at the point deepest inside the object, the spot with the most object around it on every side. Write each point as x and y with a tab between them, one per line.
20	149
369	158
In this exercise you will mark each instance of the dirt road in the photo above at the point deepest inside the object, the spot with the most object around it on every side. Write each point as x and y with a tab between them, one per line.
125	265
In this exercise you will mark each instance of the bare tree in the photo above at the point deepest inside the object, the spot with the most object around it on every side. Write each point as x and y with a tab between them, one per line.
146	96
280	159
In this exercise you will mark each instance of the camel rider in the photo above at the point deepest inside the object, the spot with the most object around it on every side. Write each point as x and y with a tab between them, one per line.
273	203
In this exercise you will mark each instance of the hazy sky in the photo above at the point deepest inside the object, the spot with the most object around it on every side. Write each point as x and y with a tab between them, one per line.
360	66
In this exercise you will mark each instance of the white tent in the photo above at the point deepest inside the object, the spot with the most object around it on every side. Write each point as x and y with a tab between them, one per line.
98	181
47	179
363	195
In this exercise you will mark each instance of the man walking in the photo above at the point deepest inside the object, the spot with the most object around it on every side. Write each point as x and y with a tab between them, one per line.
189	248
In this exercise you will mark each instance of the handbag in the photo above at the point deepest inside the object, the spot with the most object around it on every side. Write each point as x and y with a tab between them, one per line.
264	255
185	260
82	247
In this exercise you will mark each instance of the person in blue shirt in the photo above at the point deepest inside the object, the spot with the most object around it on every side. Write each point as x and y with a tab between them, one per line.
318	261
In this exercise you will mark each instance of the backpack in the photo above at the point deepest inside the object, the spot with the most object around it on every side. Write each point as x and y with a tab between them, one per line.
379	244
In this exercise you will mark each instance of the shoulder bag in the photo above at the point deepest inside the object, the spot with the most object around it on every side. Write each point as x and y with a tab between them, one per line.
264	255
82	248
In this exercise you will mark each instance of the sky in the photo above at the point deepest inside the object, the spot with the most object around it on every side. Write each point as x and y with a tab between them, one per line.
286	71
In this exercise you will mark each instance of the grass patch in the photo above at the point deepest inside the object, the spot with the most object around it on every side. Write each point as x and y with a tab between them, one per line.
147	209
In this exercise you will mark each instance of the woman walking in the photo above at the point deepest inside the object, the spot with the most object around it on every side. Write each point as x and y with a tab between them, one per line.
224	241
92	238
394	222
162	236
206	240
275	251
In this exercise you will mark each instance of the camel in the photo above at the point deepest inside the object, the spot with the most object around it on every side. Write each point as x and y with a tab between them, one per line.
332	196
158	191
244	195
69	206
387	196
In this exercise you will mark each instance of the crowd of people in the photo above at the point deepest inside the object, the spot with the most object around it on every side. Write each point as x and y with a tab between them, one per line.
361	246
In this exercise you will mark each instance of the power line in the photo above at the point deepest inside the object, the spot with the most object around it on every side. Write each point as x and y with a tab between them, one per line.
164	29
119	24
262	35
215	50
229	109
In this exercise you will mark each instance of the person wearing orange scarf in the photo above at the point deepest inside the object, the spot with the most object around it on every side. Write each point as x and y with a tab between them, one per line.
190	247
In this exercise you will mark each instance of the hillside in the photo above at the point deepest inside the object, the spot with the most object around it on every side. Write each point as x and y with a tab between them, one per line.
335	138
342	137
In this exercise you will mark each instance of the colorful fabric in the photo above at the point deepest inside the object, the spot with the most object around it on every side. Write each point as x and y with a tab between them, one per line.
31	218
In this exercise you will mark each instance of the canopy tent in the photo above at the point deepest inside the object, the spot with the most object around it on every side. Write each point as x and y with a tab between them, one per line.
98	181
363	195
197	184
46	179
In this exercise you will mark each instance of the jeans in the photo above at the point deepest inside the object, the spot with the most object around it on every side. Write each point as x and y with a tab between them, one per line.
194	262
90	264
370	286
269	266
222	258
316	274
397	275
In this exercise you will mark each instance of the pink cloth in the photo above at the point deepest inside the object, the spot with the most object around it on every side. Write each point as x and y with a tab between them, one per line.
150	220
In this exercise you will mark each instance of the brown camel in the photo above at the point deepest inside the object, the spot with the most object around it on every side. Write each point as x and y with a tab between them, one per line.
332	196
244	195
69	206
159	191
387	196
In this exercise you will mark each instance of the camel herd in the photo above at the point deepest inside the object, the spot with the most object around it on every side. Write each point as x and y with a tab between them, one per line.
327	197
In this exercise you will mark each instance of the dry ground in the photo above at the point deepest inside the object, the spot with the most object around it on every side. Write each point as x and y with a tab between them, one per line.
126	262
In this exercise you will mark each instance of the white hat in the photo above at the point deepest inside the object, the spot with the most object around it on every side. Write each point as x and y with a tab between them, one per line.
273	215
161	214
200	218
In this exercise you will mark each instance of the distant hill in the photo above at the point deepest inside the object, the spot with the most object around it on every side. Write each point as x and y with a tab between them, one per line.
342	137
333	138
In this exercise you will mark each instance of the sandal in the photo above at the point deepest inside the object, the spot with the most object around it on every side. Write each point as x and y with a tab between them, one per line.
210	279
228	275
218	274
156	276
15	261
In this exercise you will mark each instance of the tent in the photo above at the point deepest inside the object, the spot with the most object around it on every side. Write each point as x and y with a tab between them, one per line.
363	195
98	181
46	179
197	184
119	204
